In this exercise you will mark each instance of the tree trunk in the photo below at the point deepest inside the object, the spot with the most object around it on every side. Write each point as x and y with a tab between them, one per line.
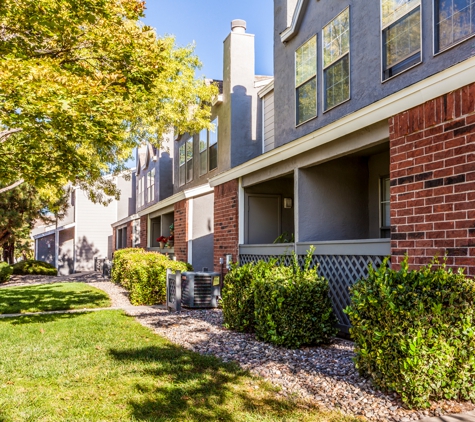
9	252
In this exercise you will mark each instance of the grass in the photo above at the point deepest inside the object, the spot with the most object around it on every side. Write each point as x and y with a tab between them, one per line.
51	297
104	366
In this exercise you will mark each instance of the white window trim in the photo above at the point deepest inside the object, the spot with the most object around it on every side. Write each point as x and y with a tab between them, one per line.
382	38
326	110
297	124
434	35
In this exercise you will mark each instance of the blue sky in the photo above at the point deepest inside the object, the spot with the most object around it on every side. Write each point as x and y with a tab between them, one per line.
208	22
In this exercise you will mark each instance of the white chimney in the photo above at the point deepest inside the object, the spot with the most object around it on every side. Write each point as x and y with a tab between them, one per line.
238	26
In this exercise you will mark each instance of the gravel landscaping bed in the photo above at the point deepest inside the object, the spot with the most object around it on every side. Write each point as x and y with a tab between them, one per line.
324	374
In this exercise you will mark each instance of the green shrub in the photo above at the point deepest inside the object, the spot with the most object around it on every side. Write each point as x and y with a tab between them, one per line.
238	296
143	274
292	305
33	267
121	262
415	332
5	272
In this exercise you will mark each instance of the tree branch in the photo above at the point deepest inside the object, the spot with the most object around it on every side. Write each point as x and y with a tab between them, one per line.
6	133
12	186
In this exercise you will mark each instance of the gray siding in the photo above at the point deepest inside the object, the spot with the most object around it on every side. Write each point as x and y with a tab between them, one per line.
334	199
268	121
203	237
365	61
93	228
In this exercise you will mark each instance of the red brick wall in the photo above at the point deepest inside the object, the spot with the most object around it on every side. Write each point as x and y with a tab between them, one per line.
130	234
143	231
226	222
181	230
433	181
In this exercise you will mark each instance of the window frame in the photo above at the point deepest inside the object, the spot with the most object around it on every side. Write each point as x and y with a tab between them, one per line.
182	166
203	152
140	192
189	159
382	38
151	185
435	33
315	76
215	122
324	68
381	202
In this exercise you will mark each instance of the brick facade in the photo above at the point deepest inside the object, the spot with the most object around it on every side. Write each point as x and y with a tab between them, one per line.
433	181
181	230
226	222
130	234
143	232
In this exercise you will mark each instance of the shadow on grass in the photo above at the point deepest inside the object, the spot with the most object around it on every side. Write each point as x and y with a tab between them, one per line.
49	297
196	387
41	319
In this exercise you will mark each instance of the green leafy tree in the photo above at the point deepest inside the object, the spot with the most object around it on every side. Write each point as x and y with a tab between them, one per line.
82	82
20	208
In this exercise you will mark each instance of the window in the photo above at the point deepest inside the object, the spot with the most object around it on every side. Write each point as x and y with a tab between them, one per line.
140	192
385	207
189	160
182	170
213	146
203	144
151	185
336	60
454	22
306	80
401	26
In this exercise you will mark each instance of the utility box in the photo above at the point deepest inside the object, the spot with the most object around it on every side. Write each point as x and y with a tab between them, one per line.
200	289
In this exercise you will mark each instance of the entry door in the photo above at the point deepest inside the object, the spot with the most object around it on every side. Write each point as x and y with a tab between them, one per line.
263	218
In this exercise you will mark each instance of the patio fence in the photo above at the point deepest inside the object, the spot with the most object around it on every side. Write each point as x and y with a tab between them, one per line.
342	263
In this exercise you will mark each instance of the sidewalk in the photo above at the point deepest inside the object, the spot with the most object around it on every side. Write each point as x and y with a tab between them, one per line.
127	310
462	417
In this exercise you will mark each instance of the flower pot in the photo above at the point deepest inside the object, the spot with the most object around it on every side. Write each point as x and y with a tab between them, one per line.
162	245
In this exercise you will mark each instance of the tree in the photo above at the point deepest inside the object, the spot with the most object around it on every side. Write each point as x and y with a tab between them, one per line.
82	82
20	208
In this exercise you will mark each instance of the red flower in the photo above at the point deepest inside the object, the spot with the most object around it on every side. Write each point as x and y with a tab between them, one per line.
162	239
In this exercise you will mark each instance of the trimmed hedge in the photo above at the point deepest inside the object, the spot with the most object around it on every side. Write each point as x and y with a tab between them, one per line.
415	332
143	274
286	306
121	263
238	296
5	272
33	267
293	307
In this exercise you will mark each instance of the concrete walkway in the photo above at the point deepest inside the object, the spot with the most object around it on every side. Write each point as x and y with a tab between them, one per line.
77	311
461	417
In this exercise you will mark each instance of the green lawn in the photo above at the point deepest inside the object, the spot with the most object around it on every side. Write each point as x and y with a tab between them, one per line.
104	366
51	297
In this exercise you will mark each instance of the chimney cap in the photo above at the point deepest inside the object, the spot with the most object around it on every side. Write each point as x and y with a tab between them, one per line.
238	25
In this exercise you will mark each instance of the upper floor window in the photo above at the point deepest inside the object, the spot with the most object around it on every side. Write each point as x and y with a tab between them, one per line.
189	160
401	26
151	185
213	145
336	60
306	80
181	163
454	21
203	145
140	192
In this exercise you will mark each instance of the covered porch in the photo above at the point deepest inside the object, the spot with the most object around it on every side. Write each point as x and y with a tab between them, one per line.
340	206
